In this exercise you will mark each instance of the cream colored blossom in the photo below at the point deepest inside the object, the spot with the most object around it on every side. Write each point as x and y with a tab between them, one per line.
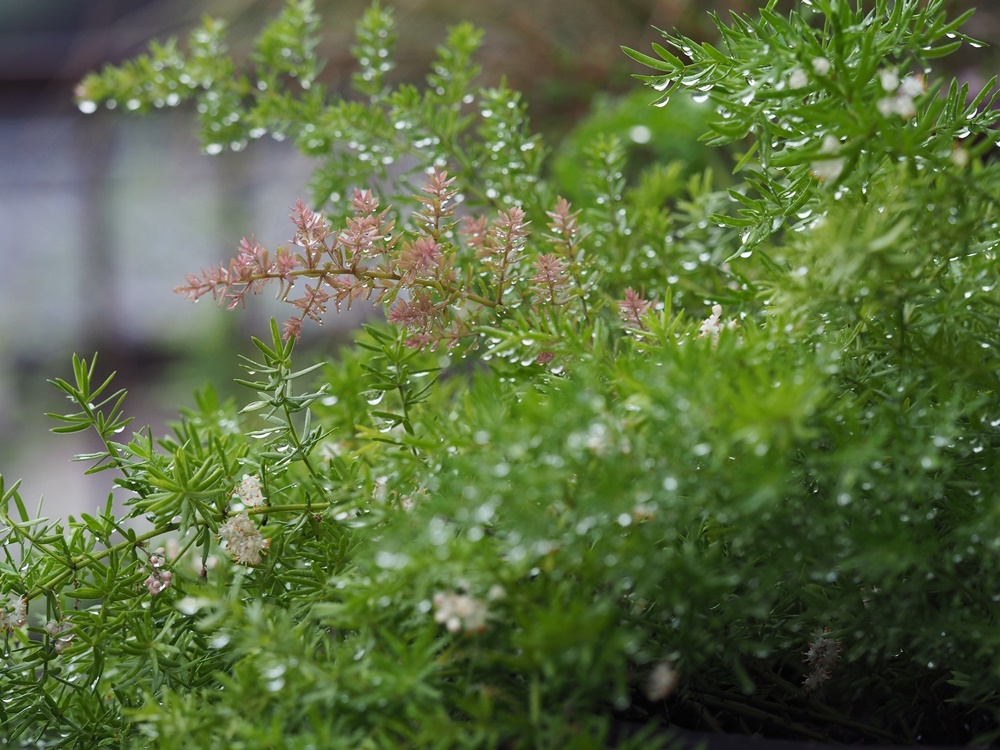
662	682
889	80
242	540
712	326
458	612
249	491
903	93
15	614
828	170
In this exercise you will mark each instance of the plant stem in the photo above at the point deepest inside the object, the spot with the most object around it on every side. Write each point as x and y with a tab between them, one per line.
84	561
740	707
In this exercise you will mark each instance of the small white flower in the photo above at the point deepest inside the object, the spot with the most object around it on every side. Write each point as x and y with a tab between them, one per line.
15	614
249	491
901	103
886	106
644	512
496	592
381	489
458	612
831	144
912	86
889	80
597	438
821	66
712	326
662	682
905	107
242	539
828	170
798	79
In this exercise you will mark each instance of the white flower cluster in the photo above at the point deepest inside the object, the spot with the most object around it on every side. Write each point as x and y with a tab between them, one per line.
798	79
249	491
822	658
662	682
459	612
158	579
15	614
644	512
55	629
713	325
242	539
903	93
828	170
821	66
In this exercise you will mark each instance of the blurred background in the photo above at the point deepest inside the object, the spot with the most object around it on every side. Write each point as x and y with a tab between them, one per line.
101	215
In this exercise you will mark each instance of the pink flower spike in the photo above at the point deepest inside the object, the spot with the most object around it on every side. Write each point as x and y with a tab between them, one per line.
633	308
475	232
564	220
416	313
311	228
364	202
417	258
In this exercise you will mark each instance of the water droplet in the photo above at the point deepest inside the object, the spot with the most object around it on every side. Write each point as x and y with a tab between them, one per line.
87	106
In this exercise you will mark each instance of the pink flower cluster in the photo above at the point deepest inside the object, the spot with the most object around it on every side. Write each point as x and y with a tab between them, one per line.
633	309
437	278
158	579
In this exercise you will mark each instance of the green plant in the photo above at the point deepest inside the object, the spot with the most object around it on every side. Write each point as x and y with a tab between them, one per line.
760	491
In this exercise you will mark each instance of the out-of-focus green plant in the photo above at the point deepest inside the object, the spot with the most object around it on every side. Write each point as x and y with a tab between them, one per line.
668	136
758	493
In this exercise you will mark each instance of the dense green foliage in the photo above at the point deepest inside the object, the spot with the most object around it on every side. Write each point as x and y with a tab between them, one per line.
759	494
